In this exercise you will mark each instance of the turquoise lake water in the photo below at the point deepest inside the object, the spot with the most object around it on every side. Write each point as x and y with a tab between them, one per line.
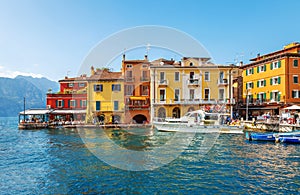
60	162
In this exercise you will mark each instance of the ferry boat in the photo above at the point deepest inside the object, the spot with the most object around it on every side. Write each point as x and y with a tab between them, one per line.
198	121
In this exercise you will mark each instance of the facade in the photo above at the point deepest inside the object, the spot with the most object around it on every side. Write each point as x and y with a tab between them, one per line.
191	84
136	75
105	97
271	81
70	102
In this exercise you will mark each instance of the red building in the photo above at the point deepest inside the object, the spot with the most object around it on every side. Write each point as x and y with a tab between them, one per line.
70	102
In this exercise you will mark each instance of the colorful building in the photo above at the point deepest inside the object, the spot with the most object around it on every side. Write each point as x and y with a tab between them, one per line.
105	97
136	75
70	102
271	81
191	84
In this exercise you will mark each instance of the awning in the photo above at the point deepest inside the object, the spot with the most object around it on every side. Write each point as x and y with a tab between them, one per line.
261	108
36	112
138	98
69	112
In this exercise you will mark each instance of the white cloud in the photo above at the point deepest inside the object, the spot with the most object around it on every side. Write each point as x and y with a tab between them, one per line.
13	74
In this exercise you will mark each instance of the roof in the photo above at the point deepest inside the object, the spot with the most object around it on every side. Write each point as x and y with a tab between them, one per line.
36	112
102	75
69	111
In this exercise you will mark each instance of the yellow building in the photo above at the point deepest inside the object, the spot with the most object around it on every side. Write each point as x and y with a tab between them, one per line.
191	84
105	97
271	81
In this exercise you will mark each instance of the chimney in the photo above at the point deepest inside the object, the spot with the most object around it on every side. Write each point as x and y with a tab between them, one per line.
258	55
146	57
123	57
92	71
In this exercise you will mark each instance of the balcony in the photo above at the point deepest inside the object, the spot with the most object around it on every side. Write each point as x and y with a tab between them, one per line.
145	79
129	79
222	82
193	82
163	83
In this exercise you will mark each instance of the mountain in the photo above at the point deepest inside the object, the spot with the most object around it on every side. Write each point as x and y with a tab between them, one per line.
13	91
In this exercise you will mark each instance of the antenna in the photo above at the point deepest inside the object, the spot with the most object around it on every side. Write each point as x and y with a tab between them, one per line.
147	48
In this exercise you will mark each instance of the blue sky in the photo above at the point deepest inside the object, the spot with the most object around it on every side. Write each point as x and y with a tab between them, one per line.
52	38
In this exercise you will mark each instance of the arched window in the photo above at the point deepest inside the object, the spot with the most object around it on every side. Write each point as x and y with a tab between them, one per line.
161	112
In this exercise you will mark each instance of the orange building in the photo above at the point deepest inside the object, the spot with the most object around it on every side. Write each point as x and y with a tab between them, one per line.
136	75
271	81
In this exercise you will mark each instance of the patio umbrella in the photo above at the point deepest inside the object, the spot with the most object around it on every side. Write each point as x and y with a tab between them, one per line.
293	107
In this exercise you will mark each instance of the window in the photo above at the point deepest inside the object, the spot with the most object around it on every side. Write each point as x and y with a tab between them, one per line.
82	103
221	77
177	91
249	85
72	103
221	94
129	89
191	64
275	81
145	90
275	65
98	105
192	94
145	66
176	76
145	75
59	103
116	87
206	94
295	94
275	96
129	66
70	84
261	68
98	87
295	63
295	79
129	77
116	105
261	83
261	97
162	94
162	77
206	76
250	71
81	84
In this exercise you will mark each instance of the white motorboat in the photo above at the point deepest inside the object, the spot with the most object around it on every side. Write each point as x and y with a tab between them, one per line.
198	122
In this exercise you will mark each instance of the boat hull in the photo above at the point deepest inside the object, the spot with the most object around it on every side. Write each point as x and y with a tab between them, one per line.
187	128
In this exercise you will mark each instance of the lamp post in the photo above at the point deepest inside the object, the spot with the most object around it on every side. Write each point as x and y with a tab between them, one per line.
247	103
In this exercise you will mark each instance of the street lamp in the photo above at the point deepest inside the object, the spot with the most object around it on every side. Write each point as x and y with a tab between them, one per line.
247	102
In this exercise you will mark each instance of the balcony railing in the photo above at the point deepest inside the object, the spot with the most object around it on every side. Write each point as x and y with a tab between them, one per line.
163	82
222	82
193	82
129	79
145	79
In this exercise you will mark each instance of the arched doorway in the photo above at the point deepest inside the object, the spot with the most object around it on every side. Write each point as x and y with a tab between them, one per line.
161	112
101	118
176	112
140	119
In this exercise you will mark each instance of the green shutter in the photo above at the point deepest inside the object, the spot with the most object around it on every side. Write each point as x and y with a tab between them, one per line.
296	63
271	80
246	85
265	83
80	103
271	66
265	67
278	80
265	97
252	70
270	95
257	84
257	70
252	85
63	103
279	64
257	97
278	97
246	72
69	103
56	103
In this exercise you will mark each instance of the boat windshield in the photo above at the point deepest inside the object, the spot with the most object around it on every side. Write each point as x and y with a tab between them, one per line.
211	117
